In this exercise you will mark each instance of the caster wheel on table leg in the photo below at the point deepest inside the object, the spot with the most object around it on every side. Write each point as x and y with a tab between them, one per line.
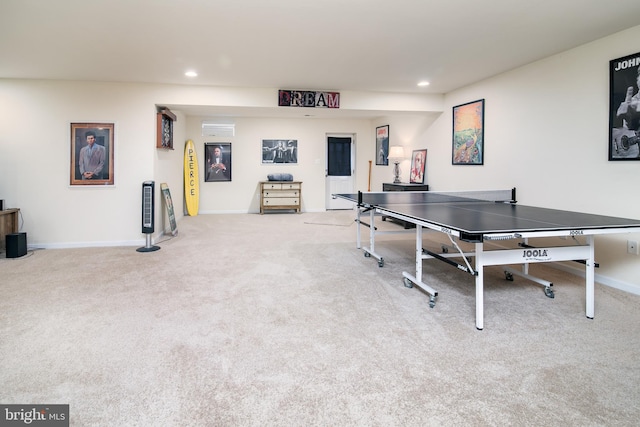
508	276
549	292
407	283
381	263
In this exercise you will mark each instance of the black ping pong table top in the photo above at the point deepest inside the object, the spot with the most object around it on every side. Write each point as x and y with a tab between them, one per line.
477	217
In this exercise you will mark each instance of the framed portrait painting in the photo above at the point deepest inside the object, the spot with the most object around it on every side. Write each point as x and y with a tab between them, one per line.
624	108
418	163
468	133
279	151
92	146
382	145
217	161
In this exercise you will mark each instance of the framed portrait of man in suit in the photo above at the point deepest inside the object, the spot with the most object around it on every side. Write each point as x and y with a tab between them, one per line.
217	161
92	154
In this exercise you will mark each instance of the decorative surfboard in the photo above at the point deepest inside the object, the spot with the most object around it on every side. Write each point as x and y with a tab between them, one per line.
191	181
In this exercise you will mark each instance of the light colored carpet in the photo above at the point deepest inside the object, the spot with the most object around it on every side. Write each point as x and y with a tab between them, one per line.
278	320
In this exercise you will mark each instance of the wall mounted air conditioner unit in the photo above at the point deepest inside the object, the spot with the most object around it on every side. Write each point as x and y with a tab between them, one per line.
216	128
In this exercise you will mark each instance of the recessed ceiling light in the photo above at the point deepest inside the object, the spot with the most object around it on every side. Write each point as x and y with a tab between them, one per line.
191	74
422	84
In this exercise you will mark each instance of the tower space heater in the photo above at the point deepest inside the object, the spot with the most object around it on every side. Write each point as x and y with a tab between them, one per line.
148	215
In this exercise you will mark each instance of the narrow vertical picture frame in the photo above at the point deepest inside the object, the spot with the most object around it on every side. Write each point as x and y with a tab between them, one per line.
418	163
382	145
468	134
164	132
217	161
92	159
624	108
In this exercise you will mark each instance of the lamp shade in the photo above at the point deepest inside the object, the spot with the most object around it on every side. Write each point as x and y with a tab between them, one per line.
396	152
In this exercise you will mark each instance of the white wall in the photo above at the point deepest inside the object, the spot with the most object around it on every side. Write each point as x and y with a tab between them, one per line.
169	169
35	119
241	194
546	133
35	160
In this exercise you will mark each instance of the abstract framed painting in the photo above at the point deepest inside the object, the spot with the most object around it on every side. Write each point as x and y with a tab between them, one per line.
468	133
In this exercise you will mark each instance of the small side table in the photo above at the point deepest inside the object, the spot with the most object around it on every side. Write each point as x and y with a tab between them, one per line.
8	224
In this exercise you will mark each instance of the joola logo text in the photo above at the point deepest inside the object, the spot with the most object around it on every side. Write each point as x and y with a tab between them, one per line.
535	253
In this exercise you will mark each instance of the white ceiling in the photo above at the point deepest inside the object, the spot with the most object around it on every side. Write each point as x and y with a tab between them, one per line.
341	45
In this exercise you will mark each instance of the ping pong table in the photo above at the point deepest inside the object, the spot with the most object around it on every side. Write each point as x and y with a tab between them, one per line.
488	218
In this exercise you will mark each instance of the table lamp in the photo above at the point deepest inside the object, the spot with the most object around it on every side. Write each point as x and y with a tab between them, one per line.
396	153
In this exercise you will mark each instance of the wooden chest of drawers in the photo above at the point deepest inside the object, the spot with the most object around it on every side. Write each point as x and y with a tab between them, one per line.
280	195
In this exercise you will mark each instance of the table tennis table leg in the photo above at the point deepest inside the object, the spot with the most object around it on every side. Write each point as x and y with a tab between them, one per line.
371	250
590	278
409	280
358	231
479	286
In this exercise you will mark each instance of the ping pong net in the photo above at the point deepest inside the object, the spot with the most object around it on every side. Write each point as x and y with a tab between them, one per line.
428	197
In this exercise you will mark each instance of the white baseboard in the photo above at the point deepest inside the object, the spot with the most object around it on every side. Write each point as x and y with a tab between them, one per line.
604	280
73	245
